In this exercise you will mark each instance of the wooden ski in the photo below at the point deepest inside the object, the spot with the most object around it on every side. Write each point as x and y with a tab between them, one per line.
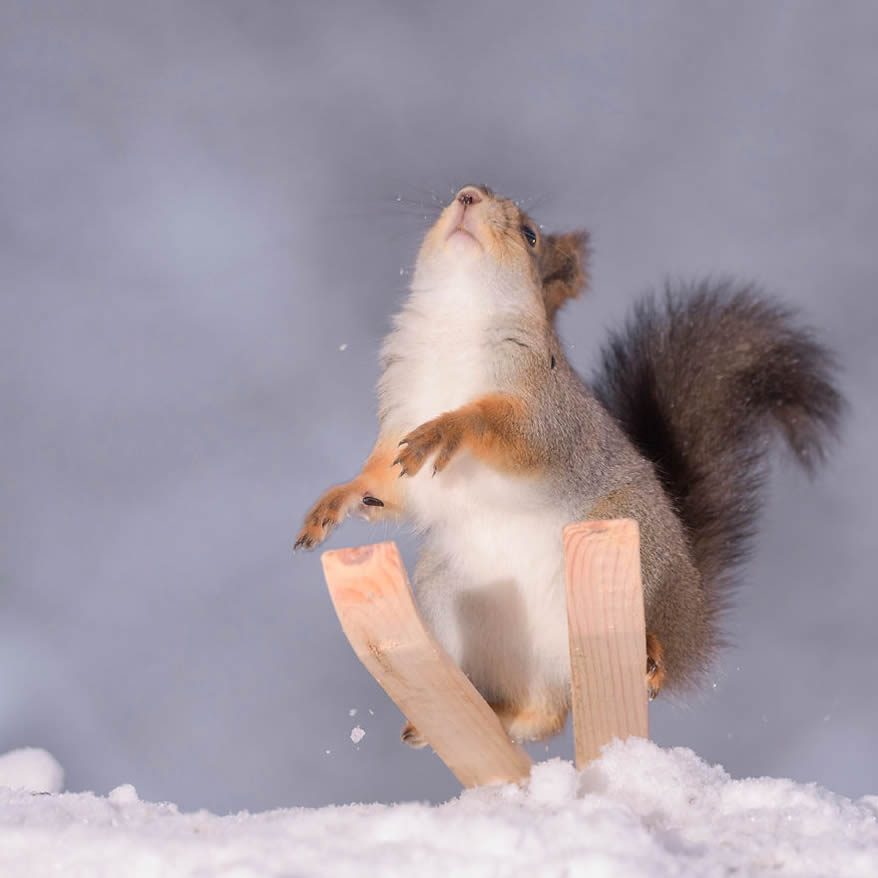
374	603
607	634
373	600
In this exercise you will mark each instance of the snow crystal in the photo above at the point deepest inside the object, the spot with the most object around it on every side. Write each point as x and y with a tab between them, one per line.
638	810
357	734
31	769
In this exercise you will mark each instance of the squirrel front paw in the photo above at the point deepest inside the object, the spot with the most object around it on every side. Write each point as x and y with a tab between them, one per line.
330	510
442	435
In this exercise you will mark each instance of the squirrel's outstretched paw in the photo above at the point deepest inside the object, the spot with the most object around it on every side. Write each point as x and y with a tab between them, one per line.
655	667
442	435
331	509
411	736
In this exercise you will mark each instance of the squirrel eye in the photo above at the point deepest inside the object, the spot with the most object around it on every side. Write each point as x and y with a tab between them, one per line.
530	235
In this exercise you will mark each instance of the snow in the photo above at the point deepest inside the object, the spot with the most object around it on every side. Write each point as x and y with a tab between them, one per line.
638	810
357	734
123	795
32	770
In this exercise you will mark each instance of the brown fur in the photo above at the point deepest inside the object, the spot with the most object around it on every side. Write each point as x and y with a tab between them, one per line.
376	481
563	268
532	722
490	428
521	723
655	665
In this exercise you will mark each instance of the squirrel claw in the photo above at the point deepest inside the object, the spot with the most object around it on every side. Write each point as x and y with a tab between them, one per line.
655	669
326	514
442	435
411	736
651	670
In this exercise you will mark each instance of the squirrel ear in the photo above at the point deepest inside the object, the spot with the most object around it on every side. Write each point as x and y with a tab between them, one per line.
564	268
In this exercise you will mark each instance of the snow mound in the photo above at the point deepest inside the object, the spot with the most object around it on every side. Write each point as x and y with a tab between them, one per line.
32	770
639	810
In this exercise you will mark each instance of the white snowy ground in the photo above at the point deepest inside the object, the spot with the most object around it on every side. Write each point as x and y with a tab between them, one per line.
639	810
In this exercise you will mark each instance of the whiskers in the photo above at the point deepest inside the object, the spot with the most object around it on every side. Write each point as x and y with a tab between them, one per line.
531	203
414	203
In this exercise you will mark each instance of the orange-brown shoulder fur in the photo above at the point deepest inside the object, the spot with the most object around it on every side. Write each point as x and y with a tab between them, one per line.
493	428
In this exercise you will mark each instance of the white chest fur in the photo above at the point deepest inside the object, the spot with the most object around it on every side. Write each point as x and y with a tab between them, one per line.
492	588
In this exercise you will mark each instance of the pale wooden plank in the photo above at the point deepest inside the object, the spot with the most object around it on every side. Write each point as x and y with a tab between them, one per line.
607	634
374	603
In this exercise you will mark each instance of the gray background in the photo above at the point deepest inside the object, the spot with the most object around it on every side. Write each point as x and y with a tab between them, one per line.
198	208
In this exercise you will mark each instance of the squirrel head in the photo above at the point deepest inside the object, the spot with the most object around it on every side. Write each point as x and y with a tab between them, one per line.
480	233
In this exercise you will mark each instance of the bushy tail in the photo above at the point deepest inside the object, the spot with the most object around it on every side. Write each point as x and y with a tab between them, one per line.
700	380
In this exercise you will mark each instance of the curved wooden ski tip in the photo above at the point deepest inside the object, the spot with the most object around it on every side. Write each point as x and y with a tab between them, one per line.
374	603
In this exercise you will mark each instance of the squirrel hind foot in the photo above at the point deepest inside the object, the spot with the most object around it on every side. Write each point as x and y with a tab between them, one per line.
411	736
531	722
655	666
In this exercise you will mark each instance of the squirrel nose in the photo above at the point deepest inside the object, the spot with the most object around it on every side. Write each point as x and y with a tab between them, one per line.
470	195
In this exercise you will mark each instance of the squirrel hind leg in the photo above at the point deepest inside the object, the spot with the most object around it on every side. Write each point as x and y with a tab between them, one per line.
521	722
532	722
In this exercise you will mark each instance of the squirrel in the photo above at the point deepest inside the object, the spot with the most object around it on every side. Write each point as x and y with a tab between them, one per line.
490	443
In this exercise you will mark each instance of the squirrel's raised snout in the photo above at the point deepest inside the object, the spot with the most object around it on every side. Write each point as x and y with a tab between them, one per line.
472	195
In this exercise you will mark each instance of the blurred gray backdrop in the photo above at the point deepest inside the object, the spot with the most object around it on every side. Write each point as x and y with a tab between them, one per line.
208	212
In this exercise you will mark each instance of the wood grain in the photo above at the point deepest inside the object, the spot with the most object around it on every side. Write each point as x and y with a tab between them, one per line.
374	603
607	634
